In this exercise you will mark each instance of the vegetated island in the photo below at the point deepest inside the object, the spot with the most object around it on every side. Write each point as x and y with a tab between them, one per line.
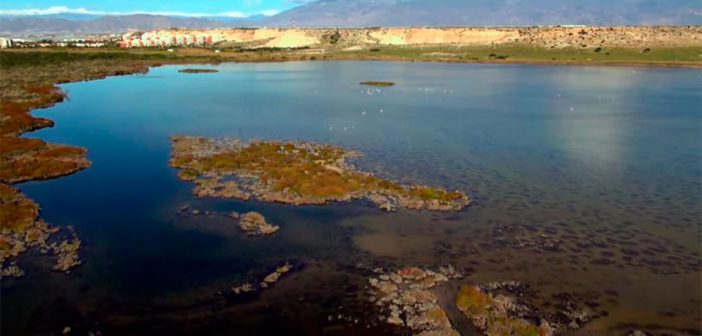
195	71
295	173
377	83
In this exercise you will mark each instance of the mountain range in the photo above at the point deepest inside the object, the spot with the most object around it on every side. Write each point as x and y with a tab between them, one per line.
370	13
396	13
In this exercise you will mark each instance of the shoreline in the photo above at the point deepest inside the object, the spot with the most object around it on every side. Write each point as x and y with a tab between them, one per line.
535	62
196	56
662	65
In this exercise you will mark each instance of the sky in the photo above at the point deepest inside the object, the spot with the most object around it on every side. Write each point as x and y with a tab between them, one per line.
231	8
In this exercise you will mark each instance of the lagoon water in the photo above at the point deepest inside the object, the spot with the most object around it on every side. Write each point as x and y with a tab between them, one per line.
585	180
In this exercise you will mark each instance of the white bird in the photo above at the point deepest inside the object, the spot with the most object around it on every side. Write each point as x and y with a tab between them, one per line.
331	128
381	110
572	109
363	113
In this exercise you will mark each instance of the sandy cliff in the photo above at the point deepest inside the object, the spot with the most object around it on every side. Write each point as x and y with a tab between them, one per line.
549	37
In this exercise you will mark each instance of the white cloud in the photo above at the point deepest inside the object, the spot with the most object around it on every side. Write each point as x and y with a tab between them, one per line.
269	12
47	11
68	10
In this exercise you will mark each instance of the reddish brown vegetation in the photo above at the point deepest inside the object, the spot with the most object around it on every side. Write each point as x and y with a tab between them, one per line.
17	212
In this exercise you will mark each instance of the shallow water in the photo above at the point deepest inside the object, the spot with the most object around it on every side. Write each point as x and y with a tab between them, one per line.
585	179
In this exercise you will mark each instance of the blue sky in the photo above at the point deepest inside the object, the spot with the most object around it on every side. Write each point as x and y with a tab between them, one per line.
233	8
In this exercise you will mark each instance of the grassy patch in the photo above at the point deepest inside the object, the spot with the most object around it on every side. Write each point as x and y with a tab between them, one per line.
520	53
17	212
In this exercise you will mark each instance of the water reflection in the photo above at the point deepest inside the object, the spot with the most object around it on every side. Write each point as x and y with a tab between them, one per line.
590	117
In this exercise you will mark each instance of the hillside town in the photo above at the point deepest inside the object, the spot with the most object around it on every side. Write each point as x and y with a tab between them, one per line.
92	42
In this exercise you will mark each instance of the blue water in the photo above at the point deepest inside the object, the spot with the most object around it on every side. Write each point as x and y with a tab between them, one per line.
574	153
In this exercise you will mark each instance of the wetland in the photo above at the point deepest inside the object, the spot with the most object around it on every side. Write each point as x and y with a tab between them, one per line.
583	184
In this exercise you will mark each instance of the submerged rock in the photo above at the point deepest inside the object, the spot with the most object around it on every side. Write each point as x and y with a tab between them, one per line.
497	315
252	223
11	271
243	288
268	280
67	252
406	299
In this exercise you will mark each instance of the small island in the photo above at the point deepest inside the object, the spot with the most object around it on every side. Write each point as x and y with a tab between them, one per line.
295	173
377	83
193	71
254	224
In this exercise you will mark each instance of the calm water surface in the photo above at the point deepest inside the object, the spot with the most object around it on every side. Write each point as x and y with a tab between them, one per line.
585	180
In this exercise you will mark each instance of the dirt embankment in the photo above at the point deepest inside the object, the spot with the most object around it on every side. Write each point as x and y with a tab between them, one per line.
548	37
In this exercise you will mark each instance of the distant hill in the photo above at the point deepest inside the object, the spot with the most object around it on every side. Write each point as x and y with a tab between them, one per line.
401	13
388	13
26	25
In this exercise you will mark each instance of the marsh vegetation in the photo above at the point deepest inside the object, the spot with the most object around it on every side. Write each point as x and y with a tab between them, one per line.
295	173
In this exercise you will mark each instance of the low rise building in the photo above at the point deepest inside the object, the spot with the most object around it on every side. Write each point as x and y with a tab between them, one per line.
5	43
